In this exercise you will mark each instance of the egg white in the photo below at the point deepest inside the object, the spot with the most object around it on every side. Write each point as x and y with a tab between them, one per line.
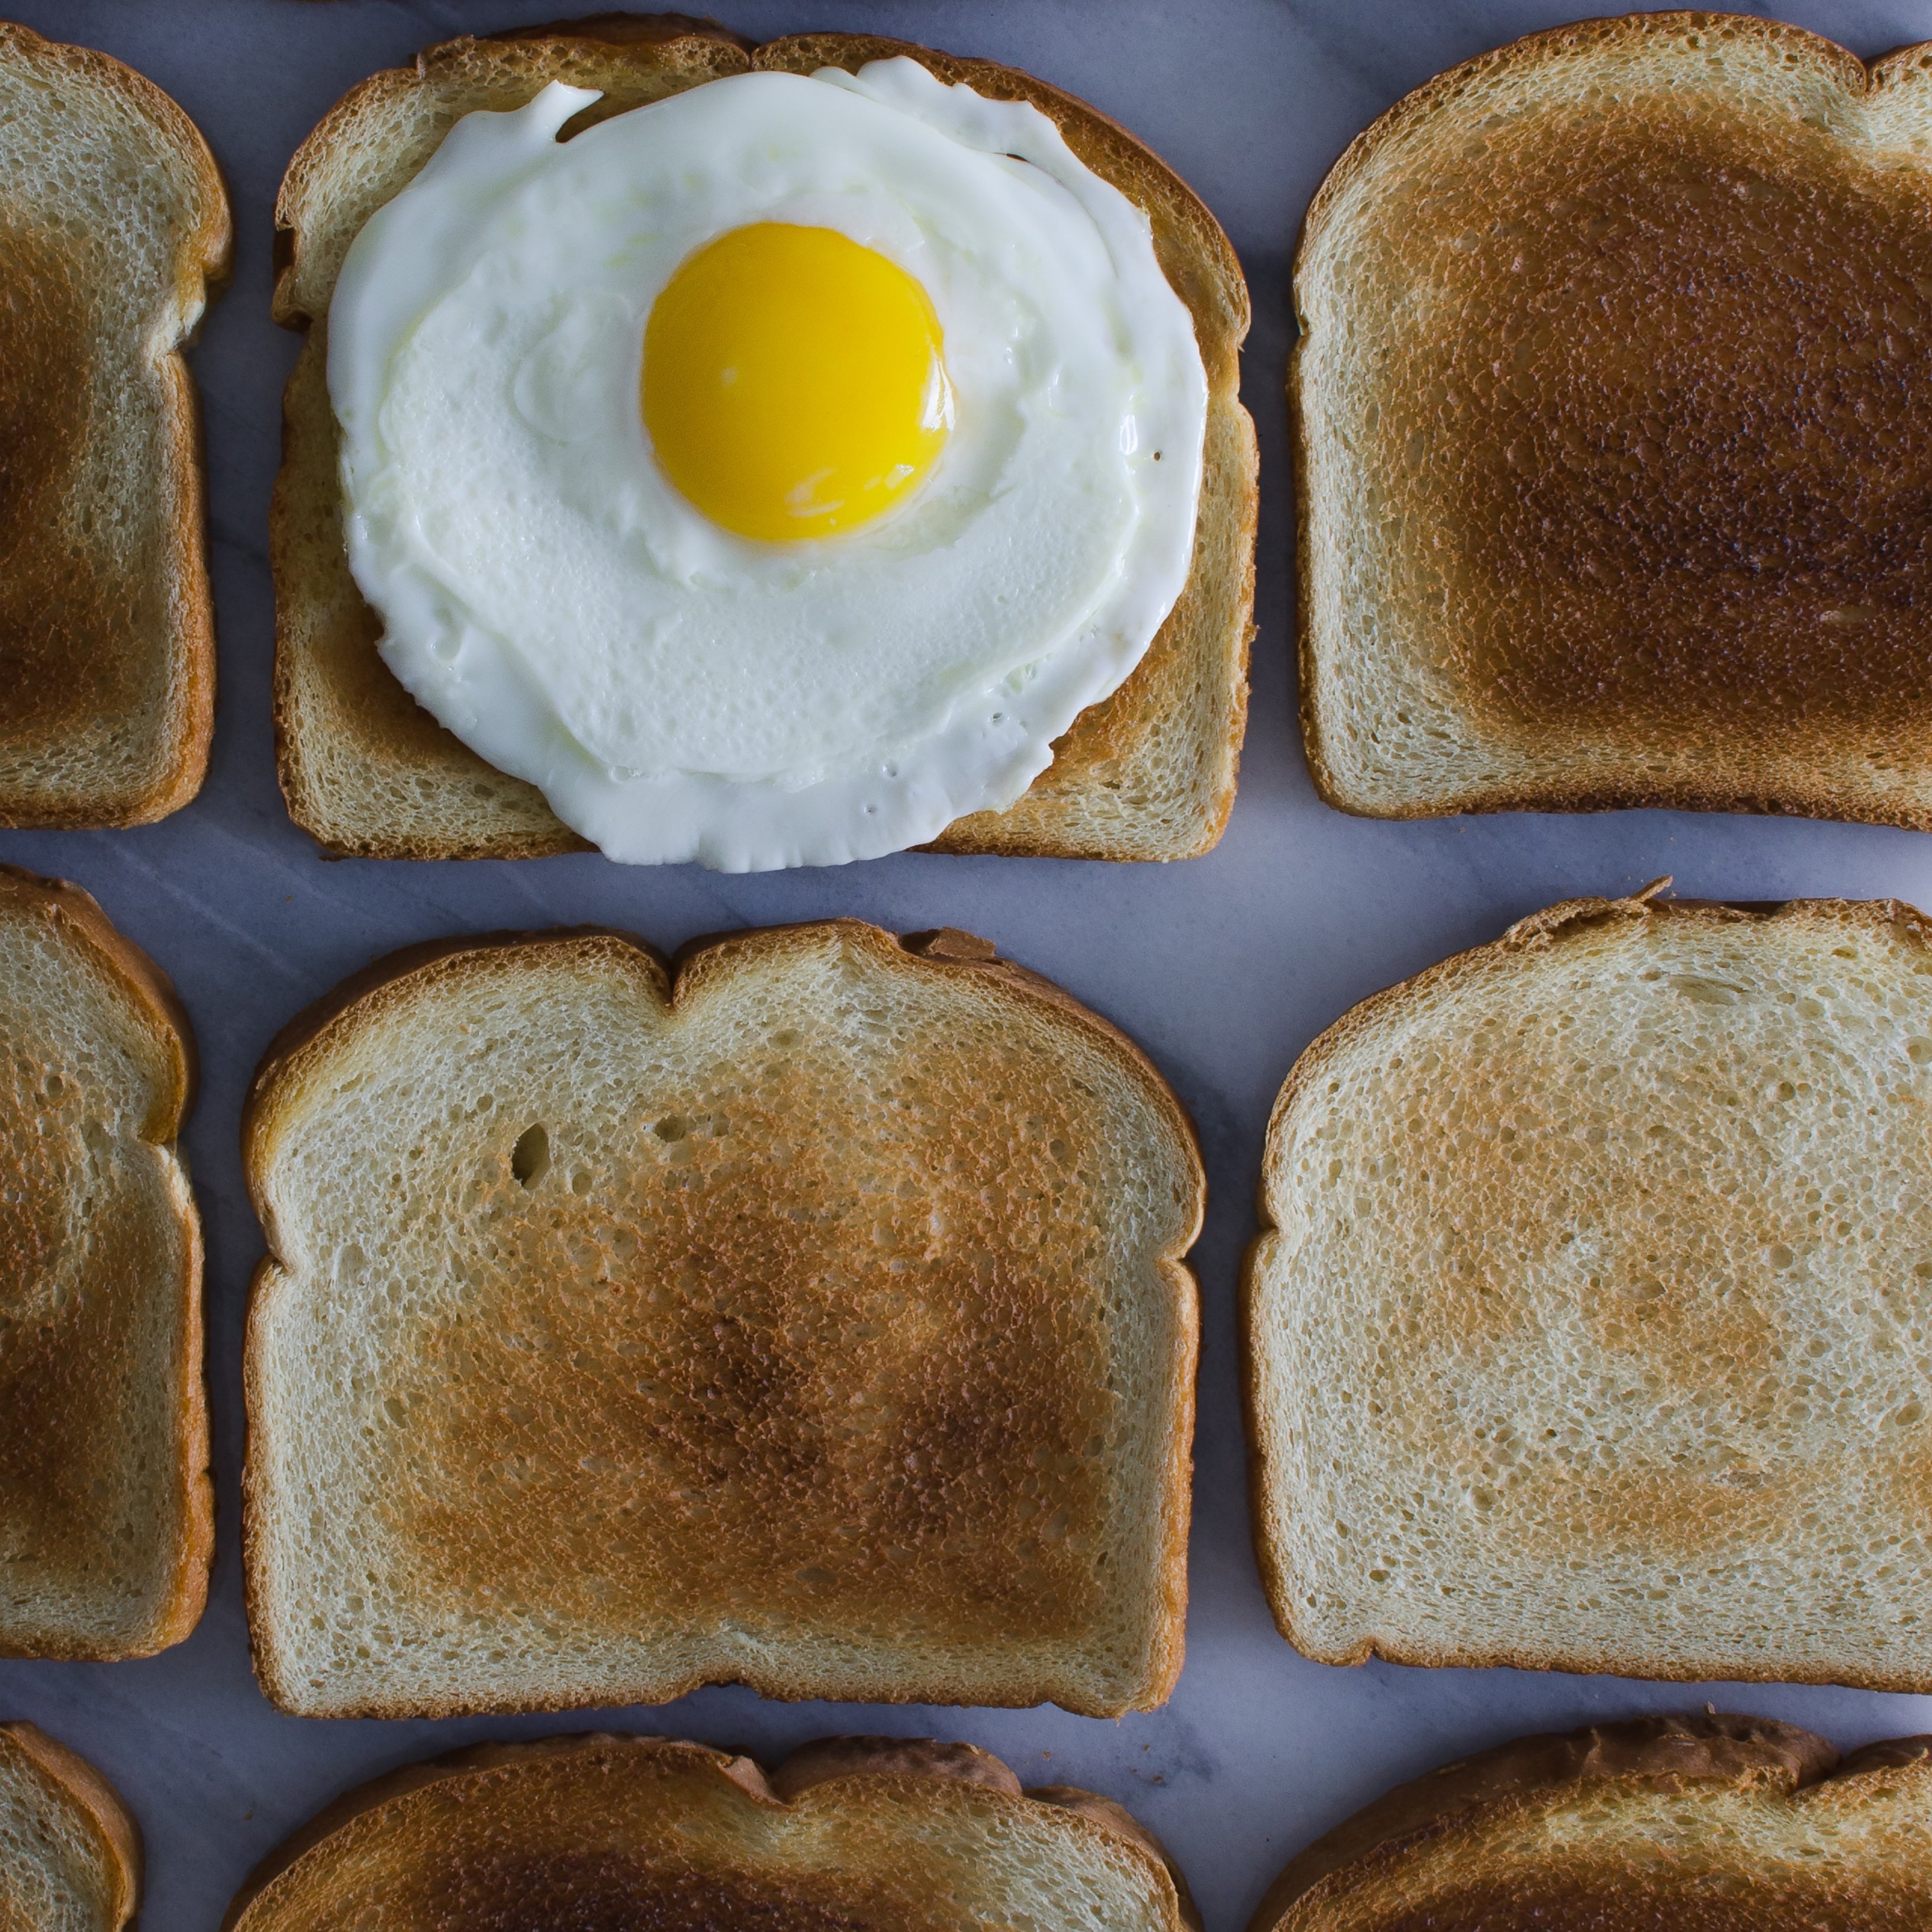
678	692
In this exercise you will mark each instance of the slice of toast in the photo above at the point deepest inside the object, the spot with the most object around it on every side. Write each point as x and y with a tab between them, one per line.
1147	774
106	1512
113	223
848	1834
812	1317
1613	438
69	1855
1723	1823
1589	1328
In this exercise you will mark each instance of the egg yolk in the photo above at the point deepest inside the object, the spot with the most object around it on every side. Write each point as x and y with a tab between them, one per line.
793	383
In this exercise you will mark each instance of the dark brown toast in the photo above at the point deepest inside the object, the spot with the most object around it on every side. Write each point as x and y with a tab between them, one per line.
113	222
1614	466
1148	774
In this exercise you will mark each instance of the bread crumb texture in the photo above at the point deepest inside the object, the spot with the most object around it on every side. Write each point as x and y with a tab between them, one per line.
1614	453
821	1325
64	1867
614	1832
112	219
1592	1325
104	1508
1148	773
1627	1854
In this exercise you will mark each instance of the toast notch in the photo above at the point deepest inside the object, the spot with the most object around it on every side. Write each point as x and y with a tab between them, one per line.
105	1511
70	1854
1731	1824
1149	773
1581	1334
1612	434
113	222
631	1830
815	1318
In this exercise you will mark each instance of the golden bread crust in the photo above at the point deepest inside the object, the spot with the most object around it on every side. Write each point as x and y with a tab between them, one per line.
1609	475
1149	773
106	626
963	1610
101	1283
630	1827
92	1802
1460	1848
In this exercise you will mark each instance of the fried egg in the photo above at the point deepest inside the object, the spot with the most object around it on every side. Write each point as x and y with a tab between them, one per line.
769	474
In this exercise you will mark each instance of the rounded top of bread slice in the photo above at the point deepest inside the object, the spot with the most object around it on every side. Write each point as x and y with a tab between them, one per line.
858	1834
69	1853
1726	1823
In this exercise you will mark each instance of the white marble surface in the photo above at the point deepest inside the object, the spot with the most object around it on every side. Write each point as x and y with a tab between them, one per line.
1223	968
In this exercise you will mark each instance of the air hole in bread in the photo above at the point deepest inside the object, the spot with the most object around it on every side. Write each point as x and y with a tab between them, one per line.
530	1159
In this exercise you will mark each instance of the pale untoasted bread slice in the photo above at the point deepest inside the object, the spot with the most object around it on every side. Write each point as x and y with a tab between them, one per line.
1726	1824
69	1855
849	1834
106	1512
112	222
813	1318
1613	434
1148	774
1588	1331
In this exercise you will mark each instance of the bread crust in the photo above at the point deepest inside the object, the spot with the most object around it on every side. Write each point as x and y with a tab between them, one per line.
1759	1754
1532	934
852	1762
99	1803
1807	732
78	922
1148	773
704	965
78	702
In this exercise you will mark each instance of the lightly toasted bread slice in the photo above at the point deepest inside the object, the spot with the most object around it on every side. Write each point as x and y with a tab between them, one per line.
813	1317
1725	1823
69	1855
1613	443
1149	773
106	1516
1588	1329
848	1834
113	221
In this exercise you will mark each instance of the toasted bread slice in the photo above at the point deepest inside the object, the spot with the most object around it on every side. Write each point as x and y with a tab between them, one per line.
106	1512
814	1318
69	1855
1147	774
849	1834
1726	1824
1588	1329
113	223
1613	435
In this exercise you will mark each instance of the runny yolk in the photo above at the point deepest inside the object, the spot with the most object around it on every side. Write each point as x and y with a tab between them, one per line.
793	385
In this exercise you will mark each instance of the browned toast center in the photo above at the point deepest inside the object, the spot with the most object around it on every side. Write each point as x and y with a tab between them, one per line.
1662	397
760	1365
54	615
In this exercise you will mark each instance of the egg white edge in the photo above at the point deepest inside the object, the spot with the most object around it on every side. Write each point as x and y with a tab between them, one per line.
994	743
